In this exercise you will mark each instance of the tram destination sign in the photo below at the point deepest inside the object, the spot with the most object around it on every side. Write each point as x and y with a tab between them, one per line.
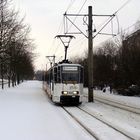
70	68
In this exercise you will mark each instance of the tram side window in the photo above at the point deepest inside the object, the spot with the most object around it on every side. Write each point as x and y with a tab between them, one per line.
51	76
59	75
55	74
48	77
81	75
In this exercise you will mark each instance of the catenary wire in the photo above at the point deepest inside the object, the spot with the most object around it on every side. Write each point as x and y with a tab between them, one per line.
110	19
72	2
119	33
70	5
107	19
54	40
77	14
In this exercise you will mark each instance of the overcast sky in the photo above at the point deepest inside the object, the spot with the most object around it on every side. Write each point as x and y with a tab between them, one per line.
46	20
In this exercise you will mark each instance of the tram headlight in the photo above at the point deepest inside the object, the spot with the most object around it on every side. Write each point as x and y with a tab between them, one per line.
75	92
64	92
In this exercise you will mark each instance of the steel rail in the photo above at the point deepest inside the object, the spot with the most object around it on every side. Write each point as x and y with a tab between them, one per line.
106	123
118	105
82	125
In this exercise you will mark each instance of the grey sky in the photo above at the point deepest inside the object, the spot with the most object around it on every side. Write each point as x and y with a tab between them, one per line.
46	20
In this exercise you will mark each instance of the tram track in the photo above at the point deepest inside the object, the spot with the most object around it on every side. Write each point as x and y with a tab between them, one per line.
90	130
108	124
118	105
82	125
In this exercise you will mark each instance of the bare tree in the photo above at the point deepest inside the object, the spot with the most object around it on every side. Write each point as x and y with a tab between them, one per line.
14	42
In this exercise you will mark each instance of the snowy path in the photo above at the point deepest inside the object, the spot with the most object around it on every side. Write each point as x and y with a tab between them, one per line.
27	114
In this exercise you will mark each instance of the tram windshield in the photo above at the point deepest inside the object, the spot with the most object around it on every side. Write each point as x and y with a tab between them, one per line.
70	75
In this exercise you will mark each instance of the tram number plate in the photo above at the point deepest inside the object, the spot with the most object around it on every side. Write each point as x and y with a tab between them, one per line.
73	96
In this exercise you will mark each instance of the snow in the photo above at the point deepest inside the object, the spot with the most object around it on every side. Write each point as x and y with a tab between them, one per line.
127	100
5	84
126	121
102	131
26	113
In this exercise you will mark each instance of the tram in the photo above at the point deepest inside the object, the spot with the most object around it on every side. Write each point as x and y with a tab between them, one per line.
65	83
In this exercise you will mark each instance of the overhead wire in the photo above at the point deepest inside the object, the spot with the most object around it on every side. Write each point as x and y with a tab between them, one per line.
80	43
118	23
70	5
65	22
77	14
76	18
124	30
112	27
118	11
57	48
122	6
54	40
110	19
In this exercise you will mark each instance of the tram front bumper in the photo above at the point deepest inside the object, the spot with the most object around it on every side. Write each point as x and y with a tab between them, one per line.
70	99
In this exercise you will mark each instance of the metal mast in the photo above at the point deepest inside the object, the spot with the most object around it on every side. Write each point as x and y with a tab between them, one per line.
90	56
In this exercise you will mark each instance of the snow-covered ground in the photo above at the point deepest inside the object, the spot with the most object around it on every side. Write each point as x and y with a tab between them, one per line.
125	121
127	100
26	113
5	82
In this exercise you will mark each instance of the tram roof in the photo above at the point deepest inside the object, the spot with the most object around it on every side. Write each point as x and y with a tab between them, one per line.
68	64
65	64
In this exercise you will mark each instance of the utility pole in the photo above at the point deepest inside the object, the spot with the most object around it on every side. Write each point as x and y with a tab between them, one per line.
90	38
90	56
